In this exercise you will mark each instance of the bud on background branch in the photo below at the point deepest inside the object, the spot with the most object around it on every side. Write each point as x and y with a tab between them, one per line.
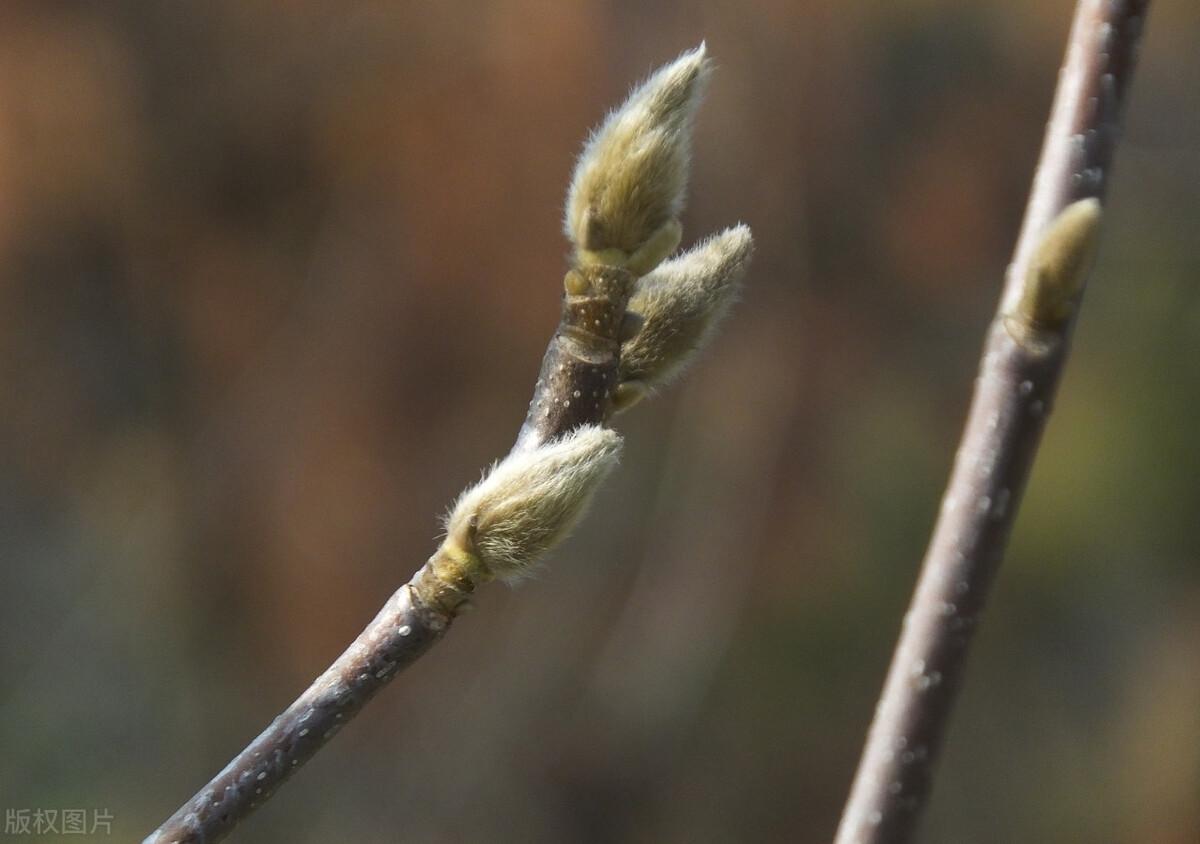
1057	270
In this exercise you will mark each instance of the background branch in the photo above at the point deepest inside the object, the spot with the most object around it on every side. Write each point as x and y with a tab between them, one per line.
1018	377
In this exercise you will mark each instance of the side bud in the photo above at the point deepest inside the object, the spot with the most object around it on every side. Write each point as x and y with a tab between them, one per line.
529	502
679	306
1057	271
628	188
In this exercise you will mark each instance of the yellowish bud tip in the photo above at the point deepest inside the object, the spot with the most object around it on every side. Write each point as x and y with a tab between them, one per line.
679	306
631	178
1059	266
530	500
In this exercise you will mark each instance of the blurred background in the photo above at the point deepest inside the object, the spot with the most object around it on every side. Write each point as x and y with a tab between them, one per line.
275	281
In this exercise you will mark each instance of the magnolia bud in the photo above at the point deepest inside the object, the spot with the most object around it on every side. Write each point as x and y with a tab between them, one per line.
1059	268
679	306
628	187
529	501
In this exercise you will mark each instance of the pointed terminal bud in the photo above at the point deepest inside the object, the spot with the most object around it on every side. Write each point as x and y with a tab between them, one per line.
629	184
679	306
529	502
1058	269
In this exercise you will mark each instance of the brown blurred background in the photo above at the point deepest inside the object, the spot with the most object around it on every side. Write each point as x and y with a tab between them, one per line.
275	279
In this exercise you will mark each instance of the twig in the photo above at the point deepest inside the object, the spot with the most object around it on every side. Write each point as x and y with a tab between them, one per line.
622	307
413	619
1023	359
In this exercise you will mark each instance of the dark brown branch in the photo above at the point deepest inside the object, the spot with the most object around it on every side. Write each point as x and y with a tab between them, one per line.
578	377
1016	386
579	371
401	632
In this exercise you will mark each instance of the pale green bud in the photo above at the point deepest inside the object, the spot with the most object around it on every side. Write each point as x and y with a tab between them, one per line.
529	501
629	184
677	308
1059	267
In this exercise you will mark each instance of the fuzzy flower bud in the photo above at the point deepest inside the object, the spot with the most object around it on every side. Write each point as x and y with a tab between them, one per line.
1059	268
529	501
679	306
628	187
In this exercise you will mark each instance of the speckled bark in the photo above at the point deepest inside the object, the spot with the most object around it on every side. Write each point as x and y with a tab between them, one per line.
1013	395
578	376
579	372
402	631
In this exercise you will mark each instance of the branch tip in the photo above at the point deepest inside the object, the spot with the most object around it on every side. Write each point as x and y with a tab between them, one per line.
631	177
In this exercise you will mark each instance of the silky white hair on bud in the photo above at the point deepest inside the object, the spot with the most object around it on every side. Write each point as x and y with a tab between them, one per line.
679	306
531	499
631	177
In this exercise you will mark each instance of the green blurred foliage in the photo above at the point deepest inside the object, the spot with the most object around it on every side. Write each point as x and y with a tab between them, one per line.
275	278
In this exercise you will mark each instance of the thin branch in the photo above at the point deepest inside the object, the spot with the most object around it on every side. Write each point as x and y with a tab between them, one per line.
1022	362
415	617
622	218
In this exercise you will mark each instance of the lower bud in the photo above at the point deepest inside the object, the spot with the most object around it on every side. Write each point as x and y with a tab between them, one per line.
528	503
